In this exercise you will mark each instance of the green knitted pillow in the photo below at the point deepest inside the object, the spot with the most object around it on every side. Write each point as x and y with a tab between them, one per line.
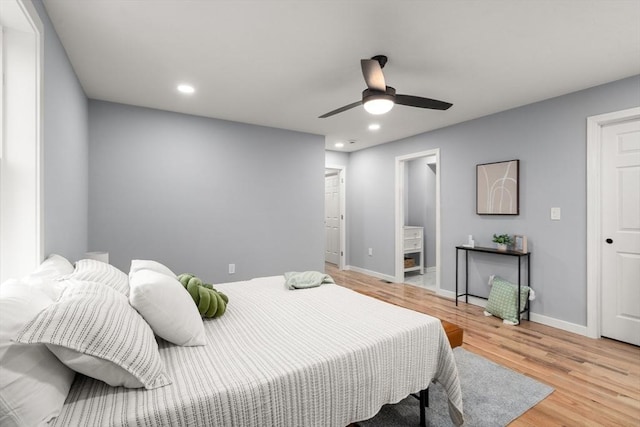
503	300
210	302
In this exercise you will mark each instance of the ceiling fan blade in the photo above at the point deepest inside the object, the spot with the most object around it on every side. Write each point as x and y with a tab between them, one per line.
340	110
418	101
372	73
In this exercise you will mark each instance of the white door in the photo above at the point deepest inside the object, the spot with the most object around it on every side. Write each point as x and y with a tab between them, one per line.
621	231
332	218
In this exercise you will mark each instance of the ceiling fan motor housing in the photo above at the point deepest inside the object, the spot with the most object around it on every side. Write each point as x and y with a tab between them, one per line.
370	94
378	102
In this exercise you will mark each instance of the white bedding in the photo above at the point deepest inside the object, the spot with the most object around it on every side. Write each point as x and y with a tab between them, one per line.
325	356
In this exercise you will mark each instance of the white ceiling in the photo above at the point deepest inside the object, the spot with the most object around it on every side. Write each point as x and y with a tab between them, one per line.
282	63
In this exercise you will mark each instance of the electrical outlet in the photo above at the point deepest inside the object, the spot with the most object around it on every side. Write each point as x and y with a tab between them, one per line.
370	251
232	268
556	213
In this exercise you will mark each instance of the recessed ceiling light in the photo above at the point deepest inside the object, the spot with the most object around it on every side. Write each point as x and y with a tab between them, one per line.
339	144
186	88
374	126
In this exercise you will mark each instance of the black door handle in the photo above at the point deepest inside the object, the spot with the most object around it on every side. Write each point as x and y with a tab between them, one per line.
609	241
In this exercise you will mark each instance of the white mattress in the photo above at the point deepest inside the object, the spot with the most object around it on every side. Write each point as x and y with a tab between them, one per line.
324	356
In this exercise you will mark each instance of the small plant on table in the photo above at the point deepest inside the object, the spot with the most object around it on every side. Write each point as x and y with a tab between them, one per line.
502	240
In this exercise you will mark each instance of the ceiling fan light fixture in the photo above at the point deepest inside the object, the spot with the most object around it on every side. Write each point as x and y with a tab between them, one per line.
378	102
378	105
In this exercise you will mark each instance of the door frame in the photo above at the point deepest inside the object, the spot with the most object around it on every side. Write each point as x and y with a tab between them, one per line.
399	201
342	179
594	212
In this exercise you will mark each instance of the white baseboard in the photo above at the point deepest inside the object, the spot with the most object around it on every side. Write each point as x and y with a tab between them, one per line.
538	318
381	275
452	296
370	273
559	324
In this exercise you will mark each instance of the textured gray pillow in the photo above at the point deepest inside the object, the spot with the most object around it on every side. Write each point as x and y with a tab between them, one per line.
92	270
107	337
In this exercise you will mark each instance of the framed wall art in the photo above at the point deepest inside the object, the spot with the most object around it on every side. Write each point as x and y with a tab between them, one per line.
497	188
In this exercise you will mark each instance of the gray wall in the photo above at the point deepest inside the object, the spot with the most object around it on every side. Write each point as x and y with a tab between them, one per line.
336	158
198	194
549	138
65	167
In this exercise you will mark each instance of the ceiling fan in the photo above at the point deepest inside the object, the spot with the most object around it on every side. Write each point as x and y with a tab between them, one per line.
378	98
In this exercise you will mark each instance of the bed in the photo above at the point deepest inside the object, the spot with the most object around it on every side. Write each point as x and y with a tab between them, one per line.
324	356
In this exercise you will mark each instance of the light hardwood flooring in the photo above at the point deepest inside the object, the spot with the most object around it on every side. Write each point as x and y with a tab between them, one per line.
597	382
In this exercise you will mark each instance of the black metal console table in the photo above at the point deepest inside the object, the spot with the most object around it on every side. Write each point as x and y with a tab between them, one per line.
526	256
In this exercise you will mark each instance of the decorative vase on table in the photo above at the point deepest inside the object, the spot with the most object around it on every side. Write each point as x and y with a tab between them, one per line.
502	247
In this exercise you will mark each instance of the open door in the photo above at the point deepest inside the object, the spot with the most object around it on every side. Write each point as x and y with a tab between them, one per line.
332	216
335	215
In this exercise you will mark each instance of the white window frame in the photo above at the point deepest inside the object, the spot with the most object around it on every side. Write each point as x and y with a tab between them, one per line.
21	212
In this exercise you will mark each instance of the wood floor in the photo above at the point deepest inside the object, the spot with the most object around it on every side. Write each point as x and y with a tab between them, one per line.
597	382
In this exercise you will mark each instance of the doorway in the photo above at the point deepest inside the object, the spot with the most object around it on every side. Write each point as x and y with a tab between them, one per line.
418	217
613	226
334	215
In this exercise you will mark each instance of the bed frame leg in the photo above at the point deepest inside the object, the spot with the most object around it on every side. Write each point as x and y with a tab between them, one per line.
424	403
423	398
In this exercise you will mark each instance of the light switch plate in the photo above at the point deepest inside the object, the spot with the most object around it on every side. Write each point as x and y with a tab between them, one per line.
556	213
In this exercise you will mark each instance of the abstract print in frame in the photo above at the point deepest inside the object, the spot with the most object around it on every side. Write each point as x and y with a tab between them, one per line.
497	188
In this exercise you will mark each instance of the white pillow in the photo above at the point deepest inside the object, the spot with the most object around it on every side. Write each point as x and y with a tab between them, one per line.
51	287
33	382
48	274
167	307
97	321
53	267
97	271
143	264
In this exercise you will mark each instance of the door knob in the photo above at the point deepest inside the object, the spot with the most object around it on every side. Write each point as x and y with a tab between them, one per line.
609	241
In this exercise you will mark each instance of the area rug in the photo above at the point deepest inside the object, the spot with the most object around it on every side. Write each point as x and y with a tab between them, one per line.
492	395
